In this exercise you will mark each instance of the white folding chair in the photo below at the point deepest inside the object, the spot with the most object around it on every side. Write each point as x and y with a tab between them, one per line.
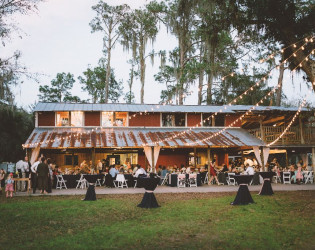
309	177
192	180
230	179
181	180
61	183
82	183
277	177
120	181
164	179
286	178
206	178
98	183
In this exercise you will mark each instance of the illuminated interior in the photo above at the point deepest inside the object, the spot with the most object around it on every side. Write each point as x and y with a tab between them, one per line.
77	119
62	119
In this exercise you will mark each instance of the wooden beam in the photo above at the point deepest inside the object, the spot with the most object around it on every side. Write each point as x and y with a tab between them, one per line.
275	119
301	130
313	158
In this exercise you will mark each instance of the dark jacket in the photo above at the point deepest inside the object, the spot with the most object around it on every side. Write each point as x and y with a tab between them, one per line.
42	169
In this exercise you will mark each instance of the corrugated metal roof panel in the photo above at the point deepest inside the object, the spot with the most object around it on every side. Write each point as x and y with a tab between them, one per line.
153	107
136	137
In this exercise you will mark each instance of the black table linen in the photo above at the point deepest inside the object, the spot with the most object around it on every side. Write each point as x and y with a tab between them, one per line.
243	196
149	184
266	188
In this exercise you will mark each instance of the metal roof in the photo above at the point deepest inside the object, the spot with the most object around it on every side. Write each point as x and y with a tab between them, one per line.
124	107
136	137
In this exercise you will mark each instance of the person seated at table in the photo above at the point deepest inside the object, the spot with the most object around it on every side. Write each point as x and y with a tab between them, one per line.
130	171
248	161
121	169
188	170
114	171
224	169
159	170
140	172
164	172
135	169
249	170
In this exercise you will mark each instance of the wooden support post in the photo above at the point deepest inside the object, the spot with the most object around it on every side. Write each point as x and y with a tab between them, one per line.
93	157
73	159
262	158
286	158
262	132
313	158
209	161
152	166
195	157
213	121
301	130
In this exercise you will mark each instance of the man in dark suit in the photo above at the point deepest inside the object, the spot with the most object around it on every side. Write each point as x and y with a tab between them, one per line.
42	176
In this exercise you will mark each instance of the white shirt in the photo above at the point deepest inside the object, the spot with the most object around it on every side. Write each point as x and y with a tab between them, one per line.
188	170
255	162
22	165
249	162
250	170
140	171
34	167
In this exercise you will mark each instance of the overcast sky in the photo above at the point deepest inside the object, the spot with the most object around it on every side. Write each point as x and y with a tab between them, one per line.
58	39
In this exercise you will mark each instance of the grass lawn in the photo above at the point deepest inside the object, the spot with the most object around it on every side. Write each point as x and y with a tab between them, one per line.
187	221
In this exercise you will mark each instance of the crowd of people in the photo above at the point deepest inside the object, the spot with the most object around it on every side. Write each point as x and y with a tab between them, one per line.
42	172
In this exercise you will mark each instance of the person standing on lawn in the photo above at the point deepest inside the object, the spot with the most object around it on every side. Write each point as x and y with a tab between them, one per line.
9	186
34	174
42	176
2	181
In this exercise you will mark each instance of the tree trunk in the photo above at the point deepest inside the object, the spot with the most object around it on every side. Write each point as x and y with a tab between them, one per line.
107	77
201	77
142	67
211	51
181	71
201	74
280	80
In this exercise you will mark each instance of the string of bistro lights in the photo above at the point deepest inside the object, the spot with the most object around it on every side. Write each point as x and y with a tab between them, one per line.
309	39
303	103
225	106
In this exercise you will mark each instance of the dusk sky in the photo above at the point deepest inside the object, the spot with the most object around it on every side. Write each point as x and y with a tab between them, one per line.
58	39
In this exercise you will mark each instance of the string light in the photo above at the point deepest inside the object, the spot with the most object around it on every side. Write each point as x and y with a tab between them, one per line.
292	121
197	125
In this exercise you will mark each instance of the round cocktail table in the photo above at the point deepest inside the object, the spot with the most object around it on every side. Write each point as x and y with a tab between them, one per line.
243	196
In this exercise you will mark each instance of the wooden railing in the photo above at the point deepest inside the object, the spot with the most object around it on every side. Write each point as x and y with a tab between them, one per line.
291	137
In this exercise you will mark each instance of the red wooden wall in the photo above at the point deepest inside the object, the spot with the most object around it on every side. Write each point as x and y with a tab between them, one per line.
148	120
92	118
229	118
46	118
193	119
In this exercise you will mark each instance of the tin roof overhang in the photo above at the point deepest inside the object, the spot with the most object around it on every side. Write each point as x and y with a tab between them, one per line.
52	138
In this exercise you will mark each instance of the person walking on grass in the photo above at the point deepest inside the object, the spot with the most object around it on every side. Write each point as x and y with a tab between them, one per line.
42	176
9	186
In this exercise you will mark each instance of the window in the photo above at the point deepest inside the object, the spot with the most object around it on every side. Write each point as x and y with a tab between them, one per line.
71	161
107	119
63	119
207	120
173	120
218	120
77	119
110	119
121	119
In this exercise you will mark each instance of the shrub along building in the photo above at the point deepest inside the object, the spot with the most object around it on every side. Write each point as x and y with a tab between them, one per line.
166	134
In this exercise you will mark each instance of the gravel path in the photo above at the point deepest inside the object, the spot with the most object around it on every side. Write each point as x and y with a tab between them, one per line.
166	189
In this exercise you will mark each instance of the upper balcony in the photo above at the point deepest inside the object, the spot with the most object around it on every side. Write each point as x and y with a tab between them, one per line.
294	136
